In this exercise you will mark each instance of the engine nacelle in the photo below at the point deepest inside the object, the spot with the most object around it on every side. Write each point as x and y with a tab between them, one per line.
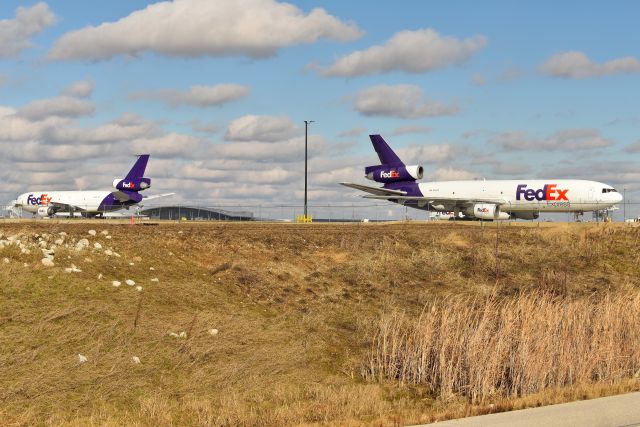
525	215
488	211
136	184
386	173
45	211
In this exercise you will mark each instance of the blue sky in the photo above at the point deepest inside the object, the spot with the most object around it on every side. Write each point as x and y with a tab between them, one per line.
500	89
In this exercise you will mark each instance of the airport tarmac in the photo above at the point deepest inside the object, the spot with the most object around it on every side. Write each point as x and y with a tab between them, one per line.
612	411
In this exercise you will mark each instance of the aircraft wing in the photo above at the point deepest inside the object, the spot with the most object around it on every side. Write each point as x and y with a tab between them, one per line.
449	201
64	207
382	193
156	196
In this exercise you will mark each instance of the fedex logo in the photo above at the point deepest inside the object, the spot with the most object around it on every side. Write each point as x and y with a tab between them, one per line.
390	174
548	192
130	185
483	210
43	200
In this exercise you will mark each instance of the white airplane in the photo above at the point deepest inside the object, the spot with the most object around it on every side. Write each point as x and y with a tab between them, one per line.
483	199
91	203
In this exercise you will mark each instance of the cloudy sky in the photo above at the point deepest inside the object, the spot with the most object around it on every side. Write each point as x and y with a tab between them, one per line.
218	91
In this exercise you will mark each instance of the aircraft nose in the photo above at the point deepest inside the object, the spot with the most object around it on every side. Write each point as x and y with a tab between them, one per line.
619	197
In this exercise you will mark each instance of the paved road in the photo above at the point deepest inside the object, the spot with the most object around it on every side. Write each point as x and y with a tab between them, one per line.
613	411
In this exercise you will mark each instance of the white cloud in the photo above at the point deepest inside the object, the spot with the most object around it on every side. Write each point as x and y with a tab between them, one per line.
197	96
352	132
510	168
478	80
633	147
577	65
42	153
15	34
253	173
416	51
424	154
452	174
166	146
567	139
282	151
80	89
403	101
410	129
204	127
59	106
193	28
261	128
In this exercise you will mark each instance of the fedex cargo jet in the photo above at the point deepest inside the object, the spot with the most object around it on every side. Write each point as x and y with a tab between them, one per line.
487	200
91	203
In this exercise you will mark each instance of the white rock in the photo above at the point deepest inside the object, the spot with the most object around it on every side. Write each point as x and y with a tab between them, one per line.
81	358
72	269
115	283
5	260
59	242
82	244
47	262
136	360
152	269
173	334
155	279
139	288
25	265
108	252
100	276
92	232
62	233
131	263
108	237
182	334
97	245
104	232
213	332
129	282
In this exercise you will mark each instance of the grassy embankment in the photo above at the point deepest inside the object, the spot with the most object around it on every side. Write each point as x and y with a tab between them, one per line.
337	324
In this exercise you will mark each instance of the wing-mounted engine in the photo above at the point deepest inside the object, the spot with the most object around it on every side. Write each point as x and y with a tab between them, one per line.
489	211
45	211
386	173
525	215
133	184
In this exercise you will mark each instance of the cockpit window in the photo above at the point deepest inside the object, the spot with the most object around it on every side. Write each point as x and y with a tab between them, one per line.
609	190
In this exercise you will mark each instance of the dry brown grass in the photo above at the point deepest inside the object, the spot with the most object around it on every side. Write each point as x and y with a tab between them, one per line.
509	347
294	306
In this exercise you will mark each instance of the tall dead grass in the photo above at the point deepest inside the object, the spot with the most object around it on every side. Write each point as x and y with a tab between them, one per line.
491	348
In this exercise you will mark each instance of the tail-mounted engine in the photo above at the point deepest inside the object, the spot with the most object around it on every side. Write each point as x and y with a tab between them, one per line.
386	173
135	184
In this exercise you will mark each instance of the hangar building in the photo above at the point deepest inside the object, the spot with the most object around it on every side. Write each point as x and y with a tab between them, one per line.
195	213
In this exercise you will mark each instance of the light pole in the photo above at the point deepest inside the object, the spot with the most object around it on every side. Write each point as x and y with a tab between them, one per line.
306	126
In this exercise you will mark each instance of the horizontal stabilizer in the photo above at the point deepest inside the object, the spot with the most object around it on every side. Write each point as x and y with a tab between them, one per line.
374	190
156	196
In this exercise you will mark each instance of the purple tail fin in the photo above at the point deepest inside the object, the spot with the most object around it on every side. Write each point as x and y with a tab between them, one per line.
386	154
137	171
